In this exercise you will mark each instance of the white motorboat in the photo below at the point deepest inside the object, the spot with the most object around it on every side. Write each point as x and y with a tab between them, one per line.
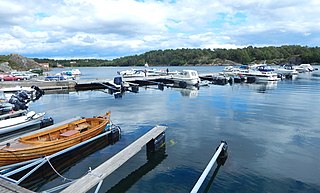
186	77
304	68
72	72
231	71
13	114
261	72
132	73
287	70
16	123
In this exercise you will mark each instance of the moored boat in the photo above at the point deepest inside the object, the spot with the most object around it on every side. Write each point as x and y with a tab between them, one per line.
261	72
304	68
19	122
287	70
186	77
53	140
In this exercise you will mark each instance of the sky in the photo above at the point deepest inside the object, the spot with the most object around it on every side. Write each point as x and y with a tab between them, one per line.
108	29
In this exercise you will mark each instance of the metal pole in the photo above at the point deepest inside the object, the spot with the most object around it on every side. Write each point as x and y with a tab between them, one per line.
207	170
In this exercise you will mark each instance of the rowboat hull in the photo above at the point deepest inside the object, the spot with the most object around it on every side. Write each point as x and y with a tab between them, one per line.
48	142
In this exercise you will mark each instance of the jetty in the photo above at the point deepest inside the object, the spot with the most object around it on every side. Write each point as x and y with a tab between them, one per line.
96	176
153	140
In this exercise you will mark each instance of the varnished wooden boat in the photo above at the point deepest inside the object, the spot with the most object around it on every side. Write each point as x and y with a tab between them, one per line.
53	140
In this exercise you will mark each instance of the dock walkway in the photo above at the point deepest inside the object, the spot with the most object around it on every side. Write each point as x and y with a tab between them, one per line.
97	175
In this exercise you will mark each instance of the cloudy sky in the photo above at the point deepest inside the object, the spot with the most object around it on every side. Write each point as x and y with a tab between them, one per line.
113	28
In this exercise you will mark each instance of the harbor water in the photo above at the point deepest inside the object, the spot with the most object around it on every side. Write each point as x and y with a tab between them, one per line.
272	131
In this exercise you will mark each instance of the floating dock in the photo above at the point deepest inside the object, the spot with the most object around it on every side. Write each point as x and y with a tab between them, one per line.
152	139
96	176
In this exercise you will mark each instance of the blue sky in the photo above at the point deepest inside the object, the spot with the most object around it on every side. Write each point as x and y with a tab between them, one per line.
67	29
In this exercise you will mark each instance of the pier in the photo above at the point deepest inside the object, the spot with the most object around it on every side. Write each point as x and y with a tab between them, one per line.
152	139
96	176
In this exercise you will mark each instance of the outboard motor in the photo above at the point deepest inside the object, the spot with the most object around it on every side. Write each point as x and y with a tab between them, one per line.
117	80
22	96
39	92
17	104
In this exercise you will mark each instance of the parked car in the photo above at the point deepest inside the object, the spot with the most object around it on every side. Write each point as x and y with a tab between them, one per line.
9	77
24	75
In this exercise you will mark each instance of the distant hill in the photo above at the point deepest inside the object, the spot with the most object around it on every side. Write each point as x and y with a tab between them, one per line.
292	54
17	62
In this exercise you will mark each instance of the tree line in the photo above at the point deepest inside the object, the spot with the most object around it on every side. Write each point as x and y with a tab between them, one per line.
292	54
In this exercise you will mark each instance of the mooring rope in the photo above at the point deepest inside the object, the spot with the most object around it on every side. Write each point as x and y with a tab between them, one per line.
64	178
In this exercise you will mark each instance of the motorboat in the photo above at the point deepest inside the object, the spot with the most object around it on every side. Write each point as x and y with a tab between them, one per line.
261	72
231	71
72	72
50	141
304	68
186	78
19	97
20	122
13	114
132	73
287	70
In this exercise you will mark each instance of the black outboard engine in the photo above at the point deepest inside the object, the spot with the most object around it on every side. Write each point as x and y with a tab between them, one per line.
19	100
39	92
22	96
17	104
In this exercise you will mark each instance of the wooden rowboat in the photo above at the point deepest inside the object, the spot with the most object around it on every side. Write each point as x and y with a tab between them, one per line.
51	141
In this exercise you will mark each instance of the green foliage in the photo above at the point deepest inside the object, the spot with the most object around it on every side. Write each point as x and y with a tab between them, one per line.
293	54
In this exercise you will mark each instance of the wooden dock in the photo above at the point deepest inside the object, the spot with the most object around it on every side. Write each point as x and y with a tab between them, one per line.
101	83
97	175
8	187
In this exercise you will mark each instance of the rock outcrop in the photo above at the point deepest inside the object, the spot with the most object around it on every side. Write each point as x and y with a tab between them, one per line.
4	67
19	62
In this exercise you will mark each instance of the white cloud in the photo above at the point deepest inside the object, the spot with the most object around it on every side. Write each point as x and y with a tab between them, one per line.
126	26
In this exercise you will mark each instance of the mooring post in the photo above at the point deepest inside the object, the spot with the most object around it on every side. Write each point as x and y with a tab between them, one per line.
221	151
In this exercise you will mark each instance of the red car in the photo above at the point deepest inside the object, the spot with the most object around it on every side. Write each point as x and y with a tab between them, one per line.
6	77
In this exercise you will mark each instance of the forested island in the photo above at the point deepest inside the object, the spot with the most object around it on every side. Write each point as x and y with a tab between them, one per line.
287	54
293	54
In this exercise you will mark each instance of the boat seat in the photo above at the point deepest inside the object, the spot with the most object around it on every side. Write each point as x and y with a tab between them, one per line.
82	126
69	133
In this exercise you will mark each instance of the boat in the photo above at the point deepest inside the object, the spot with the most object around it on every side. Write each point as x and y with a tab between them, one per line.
186	77
304	68
12	114
140	72
287	70
132	73
20	122
261	72
231	71
47	142
72	72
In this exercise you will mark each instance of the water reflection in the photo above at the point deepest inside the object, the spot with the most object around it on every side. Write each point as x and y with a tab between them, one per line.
262	87
190	91
154	159
61	164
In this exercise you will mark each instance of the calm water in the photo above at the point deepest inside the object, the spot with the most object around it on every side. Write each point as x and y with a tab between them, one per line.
272	131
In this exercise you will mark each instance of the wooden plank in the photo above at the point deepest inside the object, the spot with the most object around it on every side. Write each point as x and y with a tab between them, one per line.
7	187
88	181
